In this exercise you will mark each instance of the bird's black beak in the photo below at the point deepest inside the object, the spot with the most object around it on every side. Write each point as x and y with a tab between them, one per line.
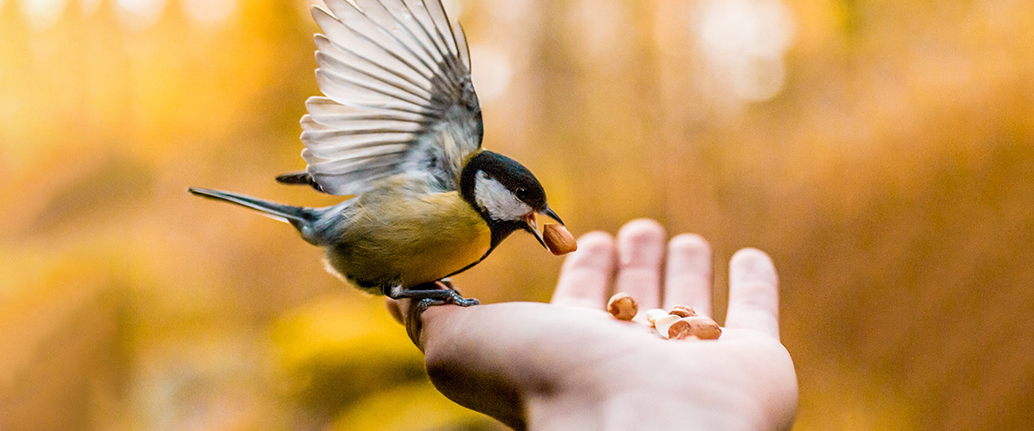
531	224
549	212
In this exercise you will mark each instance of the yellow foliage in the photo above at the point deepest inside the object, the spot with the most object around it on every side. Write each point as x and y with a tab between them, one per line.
335	352
412	407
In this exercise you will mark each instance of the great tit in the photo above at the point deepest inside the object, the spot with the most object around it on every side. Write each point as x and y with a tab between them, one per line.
400	130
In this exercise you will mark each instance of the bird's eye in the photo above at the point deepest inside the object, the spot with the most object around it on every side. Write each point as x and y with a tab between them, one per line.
521	193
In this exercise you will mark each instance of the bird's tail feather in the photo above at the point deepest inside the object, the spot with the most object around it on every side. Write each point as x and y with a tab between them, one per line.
296	216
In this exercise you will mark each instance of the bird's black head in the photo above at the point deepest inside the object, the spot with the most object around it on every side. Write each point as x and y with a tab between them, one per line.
505	193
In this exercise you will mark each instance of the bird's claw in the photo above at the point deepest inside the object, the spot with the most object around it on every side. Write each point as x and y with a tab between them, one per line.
445	294
465	302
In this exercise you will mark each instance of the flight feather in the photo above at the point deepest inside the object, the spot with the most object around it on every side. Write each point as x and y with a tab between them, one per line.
397	97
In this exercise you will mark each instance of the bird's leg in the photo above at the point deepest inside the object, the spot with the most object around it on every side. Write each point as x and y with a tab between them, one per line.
434	293
425	296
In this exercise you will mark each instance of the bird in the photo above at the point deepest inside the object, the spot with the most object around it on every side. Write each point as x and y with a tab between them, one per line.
398	132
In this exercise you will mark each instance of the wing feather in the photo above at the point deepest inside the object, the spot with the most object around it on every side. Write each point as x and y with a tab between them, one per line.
343	75
339	60
398	96
364	28
329	113
350	94
370	162
399	24
461	40
343	37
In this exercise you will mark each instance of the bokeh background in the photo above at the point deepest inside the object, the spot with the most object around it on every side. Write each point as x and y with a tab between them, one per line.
881	151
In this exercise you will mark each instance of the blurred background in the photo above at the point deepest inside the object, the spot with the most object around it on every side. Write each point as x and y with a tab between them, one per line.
881	151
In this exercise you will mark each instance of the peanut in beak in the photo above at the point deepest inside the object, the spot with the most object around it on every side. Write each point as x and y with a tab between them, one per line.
554	237
558	240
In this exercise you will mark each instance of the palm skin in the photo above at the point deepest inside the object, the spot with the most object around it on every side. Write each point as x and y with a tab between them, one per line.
569	365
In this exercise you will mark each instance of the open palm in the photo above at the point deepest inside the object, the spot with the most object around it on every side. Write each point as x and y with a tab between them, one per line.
569	365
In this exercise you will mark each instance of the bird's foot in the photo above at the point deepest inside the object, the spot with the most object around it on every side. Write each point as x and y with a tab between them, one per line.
425	296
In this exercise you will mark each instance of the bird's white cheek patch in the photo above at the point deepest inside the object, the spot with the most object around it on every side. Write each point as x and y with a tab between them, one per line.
499	202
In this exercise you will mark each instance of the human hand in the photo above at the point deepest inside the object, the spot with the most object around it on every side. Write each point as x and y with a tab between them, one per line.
569	365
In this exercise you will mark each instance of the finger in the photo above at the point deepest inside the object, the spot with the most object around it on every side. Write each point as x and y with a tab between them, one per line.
688	274
640	250
586	274
753	292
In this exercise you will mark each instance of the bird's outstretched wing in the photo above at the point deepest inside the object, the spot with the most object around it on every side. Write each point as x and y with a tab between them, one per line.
399	98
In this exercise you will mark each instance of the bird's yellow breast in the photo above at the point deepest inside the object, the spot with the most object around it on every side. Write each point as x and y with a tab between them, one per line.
410	241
